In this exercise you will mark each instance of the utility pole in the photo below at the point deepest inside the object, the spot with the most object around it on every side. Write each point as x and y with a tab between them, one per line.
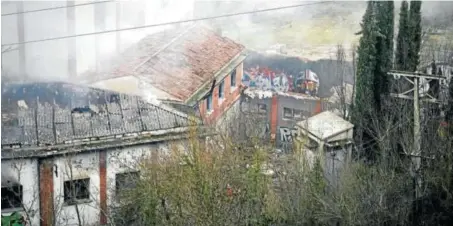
416	155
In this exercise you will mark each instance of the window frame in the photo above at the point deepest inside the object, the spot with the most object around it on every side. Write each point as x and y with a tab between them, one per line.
120	187
284	113
299	116
209	102
221	90
84	197
233	79
17	191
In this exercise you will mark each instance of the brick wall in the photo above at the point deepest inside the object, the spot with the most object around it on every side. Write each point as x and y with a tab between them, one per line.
231	95
103	186
274	116
46	192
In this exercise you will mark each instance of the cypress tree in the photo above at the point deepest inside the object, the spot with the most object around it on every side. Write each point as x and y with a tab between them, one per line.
364	106
402	42
415	30
384	47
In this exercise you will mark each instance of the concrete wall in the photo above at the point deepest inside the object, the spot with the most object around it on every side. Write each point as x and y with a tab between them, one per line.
25	172
82	166
43	182
284	128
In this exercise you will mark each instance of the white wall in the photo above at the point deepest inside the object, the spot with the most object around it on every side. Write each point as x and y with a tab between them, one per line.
127	160
83	166
24	171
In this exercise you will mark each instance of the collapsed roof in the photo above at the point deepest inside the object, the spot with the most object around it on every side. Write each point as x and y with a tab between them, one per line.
48	114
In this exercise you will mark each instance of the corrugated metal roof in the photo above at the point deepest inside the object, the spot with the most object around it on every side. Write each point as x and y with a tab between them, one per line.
39	114
325	125
177	61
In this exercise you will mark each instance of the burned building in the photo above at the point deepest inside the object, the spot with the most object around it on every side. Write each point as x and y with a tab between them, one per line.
280	111
187	65
58	134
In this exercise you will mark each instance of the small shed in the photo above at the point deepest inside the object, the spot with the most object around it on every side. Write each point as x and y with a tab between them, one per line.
326	130
329	136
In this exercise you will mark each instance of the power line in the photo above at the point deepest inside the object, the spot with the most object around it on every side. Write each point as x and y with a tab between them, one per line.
167	23
55	8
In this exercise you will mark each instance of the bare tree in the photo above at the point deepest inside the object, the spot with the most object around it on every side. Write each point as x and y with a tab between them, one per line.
342	93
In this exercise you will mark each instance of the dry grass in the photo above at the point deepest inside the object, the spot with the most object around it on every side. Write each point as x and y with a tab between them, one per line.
323	31
313	38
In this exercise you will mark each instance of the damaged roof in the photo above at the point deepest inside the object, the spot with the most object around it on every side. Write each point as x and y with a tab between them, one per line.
48	114
177	61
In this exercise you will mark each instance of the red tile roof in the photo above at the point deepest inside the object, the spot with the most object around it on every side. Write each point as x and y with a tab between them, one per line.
178	61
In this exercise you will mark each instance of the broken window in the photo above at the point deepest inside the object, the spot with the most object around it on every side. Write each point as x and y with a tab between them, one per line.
125	182
12	196
297	114
76	190
288	113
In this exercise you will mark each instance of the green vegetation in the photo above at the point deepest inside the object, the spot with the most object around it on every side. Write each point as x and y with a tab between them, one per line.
403	39
225	183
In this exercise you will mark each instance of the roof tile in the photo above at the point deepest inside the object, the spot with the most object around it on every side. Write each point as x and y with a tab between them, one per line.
178	61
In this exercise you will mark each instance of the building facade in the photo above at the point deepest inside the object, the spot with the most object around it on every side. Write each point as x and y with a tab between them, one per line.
280	112
65	148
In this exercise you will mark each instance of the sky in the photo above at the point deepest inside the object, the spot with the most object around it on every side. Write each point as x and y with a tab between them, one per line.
48	60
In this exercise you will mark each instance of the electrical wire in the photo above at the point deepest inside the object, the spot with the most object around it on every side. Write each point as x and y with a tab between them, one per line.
166	23
55	8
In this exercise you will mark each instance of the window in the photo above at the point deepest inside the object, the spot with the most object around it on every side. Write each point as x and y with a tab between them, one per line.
75	190
221	89
262	108
12	196
233	78
297	114
288	113
209	102
126	181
